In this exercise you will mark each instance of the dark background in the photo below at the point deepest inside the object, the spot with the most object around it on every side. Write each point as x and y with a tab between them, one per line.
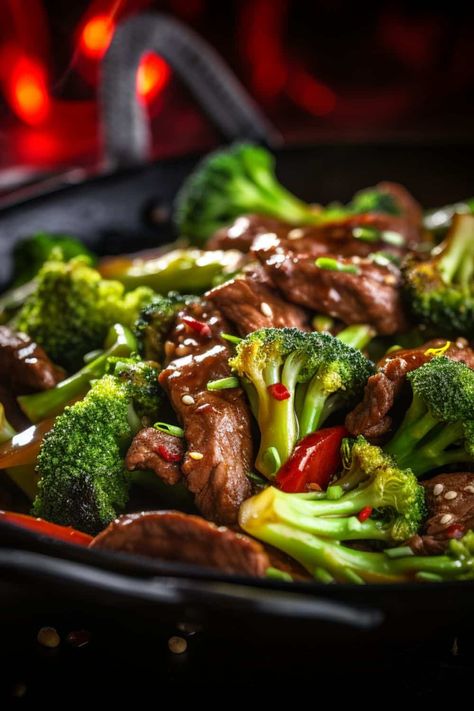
322	71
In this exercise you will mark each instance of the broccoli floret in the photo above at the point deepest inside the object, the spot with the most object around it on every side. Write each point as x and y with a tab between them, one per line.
72	308
83	481
30	254
156	320
229	183
392	497
120	342
141	378
440	290
374	199
294	381
438	427
439	220
330	560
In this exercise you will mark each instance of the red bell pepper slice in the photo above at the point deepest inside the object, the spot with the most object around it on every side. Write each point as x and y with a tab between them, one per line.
45	528
315	460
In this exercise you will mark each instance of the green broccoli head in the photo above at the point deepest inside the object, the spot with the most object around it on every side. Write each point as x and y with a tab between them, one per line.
440	289
155	321
83	482
229	183
31	253
141	379
72	309
294	381
376	200
438	427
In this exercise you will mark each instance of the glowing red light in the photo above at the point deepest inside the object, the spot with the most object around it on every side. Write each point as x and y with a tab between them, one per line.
28	92
152	76
311	94
96	36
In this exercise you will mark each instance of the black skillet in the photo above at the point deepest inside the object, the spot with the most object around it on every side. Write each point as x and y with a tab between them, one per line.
126	210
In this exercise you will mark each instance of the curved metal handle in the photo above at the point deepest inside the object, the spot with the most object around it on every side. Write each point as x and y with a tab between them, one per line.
126	129
181	592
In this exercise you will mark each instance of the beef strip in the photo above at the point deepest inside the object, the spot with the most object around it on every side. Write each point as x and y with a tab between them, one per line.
334	237
216	423
172	535
371	416
24	365
450	503
371	296
241	233
249	304
153	449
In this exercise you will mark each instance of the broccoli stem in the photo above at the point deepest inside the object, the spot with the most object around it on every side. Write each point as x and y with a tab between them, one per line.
120	342
456	263
313	407
357	336
304	515
348	565
185	270
421	443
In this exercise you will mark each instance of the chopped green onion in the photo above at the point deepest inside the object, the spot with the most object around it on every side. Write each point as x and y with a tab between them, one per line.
393	349
223	383
169	429
334	266
232	339
276	574
383	259
322	323
393	238
399	552
366	234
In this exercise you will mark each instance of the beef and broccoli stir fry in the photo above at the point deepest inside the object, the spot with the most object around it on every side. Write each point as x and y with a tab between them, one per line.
290	395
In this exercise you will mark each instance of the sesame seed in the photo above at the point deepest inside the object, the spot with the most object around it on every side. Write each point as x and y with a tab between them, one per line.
438	488
48	637
450	495
447	518
469	488
196	455
177	645
266	309
187	400
297	233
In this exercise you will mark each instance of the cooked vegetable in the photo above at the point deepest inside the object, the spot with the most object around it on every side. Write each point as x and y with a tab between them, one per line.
72	309
188	270
6	430
440	219
31	253
440	289
315	460
294	381
230	182
438	428
45	528
38	406
386	505
83	480
330	561
155	320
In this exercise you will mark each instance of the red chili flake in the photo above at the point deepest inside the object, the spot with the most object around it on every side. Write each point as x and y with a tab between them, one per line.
199	326
167	455
365	513
278	391
455	531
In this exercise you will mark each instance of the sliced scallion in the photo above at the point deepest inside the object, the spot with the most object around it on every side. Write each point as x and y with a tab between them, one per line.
223	383
169	429
334	266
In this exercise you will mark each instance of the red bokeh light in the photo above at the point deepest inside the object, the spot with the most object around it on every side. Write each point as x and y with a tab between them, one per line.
28	92
96	36
152	76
